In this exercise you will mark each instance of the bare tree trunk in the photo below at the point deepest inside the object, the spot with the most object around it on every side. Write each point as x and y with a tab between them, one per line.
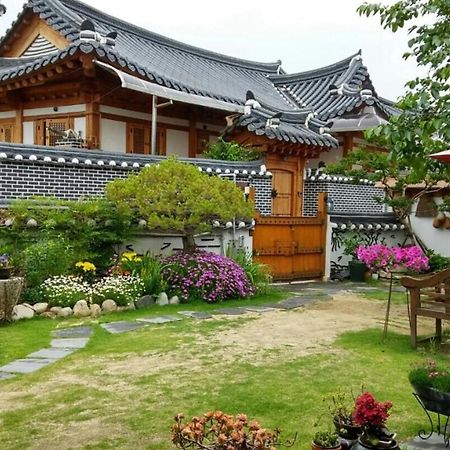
189	242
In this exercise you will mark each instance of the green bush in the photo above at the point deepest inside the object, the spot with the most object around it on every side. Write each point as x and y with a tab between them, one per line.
430	375
437	262
230	151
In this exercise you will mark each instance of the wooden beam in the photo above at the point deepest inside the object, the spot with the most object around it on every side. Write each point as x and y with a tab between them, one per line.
348	144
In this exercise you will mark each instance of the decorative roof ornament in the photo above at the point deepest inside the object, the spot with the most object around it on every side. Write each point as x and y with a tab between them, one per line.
274	121
89	34
251	103
2	9
310	116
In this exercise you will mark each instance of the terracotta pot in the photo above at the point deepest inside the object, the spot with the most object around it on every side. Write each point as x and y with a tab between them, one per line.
447	223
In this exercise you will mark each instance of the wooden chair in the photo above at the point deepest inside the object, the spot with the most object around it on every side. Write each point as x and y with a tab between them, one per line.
430	297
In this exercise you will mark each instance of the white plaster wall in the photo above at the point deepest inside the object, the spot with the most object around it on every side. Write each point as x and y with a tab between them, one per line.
177	143
28	133
437	239
113	136
7	114
329	157
166	245
49	111
79	124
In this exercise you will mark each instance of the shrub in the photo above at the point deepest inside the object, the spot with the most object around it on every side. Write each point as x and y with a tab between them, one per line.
206	276
429	375
230	151
258	274
122	289
437	262
64	290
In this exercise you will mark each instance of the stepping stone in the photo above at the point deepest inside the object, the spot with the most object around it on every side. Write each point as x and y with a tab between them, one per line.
6	376
69	343
121	327
27	365
230	311
160	319
196	314
298	302
74	332
52	353
259	309
435	442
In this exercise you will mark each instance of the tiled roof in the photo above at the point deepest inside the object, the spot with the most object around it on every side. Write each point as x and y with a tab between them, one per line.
307	99
333	90
58	155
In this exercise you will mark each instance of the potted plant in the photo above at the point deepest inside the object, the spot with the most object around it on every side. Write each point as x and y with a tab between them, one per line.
5	266
372	415
356	268
342	409
219	431
432	385
326	440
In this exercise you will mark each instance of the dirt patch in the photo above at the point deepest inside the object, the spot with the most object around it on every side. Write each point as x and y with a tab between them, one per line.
303	332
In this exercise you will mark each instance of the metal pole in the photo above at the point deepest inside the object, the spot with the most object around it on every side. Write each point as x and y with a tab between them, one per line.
388	309
154	123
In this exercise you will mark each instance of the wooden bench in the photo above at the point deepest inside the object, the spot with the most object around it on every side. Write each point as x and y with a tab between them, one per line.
430	297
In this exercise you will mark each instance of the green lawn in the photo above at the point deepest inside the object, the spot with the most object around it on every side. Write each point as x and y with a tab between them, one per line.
122	391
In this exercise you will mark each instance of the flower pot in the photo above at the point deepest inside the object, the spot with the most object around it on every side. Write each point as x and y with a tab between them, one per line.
434	400
314	446
386	444
347	431
5	273
357	270
375	276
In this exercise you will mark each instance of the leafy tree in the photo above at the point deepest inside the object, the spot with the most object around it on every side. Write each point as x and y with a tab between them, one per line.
230	151
423	125
178	197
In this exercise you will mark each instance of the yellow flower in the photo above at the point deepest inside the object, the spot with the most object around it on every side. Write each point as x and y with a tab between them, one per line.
131	256
85	266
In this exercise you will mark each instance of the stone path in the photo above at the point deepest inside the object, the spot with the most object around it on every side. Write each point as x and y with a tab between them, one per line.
435	442
64	343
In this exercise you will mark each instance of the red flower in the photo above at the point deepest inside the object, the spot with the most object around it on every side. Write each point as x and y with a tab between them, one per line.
369	412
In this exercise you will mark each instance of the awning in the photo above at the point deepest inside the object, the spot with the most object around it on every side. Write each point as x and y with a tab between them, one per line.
442	156
136	84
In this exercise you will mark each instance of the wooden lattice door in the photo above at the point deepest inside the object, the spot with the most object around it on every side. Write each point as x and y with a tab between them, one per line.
138	139
49	131
7	132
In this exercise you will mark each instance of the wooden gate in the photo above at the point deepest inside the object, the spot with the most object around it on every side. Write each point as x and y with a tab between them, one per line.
293	247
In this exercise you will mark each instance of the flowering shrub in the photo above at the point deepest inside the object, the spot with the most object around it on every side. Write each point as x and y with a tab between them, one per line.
122	289
378	256
370	413
429	375
219	431
205	275
64	290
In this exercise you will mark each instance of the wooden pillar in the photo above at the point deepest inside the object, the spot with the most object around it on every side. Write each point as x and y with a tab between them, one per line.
18	126
93	124
192	139
348	144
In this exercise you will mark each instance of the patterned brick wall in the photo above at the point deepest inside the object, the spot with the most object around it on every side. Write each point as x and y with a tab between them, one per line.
346	197
25	179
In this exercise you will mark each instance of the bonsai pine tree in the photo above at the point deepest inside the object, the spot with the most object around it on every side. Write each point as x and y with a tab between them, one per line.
177	197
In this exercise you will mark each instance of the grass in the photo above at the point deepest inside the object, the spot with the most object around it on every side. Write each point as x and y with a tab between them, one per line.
122	391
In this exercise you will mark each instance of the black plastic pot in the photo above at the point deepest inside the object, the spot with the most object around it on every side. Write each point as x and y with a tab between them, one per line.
357	270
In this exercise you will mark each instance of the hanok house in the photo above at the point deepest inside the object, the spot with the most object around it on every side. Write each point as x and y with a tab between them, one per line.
72	76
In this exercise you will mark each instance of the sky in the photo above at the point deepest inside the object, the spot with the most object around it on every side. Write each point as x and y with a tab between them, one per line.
303	34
